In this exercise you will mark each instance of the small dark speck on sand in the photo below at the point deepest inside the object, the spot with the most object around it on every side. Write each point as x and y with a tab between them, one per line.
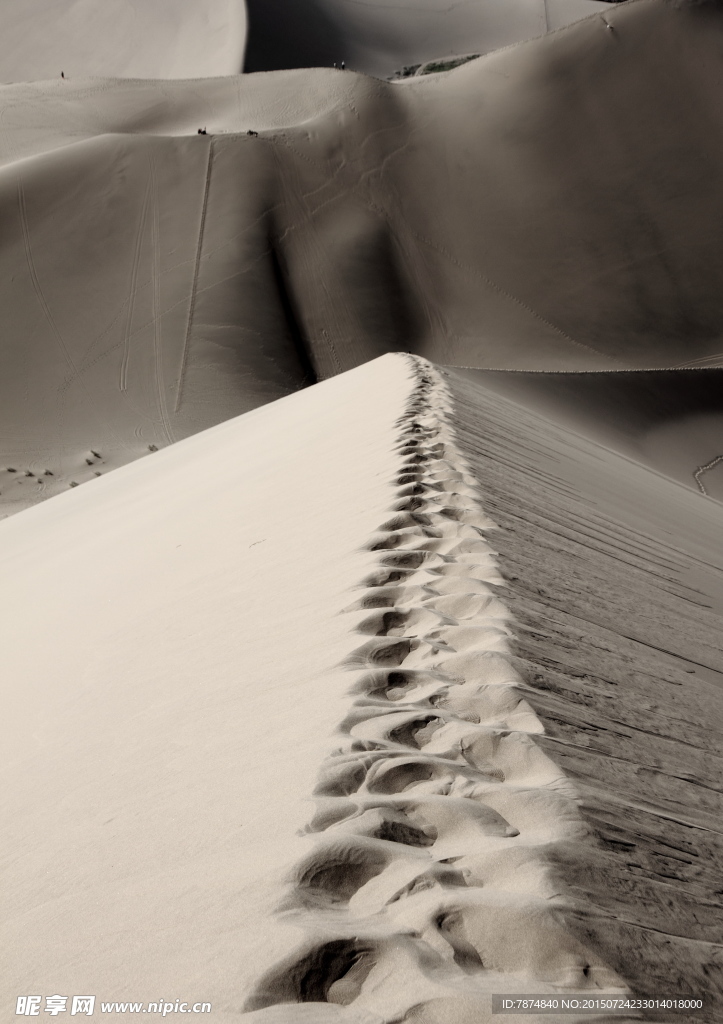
152	447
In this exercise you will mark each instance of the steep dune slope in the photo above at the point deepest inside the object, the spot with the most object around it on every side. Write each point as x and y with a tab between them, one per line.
172	630
614	578
148	39
549	207
379	38
363	707
669	420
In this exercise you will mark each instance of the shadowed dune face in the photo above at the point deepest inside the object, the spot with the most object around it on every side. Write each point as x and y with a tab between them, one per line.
553	206
670	420
379	38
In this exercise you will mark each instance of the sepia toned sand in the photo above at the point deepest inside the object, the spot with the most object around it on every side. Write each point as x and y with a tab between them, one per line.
361	470
361	707
380	39
669	420
156	282
152	39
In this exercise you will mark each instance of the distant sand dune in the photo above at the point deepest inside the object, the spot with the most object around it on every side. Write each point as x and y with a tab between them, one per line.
380	38
365	217
148	39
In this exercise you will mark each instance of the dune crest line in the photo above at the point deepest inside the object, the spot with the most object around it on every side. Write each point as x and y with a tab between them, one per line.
426	887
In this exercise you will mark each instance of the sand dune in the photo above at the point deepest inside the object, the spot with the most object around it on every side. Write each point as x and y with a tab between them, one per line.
669	420
614	578
152	39
328	561
341	686
379	38
178	657
364	217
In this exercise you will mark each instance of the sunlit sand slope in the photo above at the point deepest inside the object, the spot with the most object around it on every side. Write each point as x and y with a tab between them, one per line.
171	638
358	709
548	207
143	39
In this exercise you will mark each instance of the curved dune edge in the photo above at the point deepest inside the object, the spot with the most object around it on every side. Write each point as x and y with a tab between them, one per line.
426	887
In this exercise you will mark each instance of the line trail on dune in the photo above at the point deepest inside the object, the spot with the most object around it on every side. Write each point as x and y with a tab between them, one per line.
194	283
701	470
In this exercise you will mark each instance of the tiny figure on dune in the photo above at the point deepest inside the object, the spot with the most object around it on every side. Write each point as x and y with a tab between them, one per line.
336	66
343	66
202	131
62	74
252	133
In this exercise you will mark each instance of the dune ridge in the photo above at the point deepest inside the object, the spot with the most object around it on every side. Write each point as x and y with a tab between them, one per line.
427	888
492	216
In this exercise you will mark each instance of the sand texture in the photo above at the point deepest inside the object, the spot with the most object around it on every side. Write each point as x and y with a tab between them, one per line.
614	577
668	420
134	39
491	683
499	215
361	509
172	635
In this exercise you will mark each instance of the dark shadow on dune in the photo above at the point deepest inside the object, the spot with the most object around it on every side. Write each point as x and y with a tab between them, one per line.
290	34
366	266
633	401
296	333
669	420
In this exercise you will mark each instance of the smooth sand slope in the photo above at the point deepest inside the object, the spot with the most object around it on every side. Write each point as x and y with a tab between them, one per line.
171	634
497	675
379	38
550	206
669	420
128	38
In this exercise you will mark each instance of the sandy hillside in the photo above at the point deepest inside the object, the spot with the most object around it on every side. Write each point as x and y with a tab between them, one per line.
148	39
364	217
669	420
341	686
358	709
187	611
380	39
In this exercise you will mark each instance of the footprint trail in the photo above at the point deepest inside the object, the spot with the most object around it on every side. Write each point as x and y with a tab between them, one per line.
427	884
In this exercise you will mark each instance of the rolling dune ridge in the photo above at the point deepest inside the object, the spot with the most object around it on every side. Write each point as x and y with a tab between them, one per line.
429	885
361	468
550	206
